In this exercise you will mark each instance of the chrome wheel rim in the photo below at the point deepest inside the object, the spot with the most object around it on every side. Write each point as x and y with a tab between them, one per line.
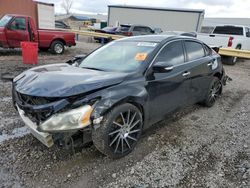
235	59
58	48
125	132
214	91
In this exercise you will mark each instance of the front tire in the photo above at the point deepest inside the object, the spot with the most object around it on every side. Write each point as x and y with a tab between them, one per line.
214	91
119	131
57	47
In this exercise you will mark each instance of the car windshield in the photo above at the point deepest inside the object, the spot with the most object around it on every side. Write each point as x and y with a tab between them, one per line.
119	56
4	20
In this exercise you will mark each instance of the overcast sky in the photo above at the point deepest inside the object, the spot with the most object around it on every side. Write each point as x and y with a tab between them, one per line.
213	8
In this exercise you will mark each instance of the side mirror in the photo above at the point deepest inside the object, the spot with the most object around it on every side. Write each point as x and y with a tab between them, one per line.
162	67
76	60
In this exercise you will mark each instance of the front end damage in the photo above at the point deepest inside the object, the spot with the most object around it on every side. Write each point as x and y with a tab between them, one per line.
55	120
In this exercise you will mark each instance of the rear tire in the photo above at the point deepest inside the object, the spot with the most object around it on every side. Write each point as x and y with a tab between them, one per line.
214	91
57	47
230	60
119	131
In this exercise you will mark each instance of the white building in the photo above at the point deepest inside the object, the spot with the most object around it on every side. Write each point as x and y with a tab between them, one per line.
168	19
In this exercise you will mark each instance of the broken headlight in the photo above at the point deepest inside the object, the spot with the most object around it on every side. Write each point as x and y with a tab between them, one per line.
71	120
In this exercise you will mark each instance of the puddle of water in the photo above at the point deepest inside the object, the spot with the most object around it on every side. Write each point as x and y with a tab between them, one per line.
16	133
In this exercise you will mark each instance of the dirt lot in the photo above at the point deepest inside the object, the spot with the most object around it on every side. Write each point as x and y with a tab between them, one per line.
195	147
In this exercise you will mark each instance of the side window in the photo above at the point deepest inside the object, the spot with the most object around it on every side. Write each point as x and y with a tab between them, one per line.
172	53
148	30
194	50
208	51
139	29
18	24
247	32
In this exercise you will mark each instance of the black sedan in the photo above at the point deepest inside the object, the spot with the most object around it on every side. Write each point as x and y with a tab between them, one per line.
117	91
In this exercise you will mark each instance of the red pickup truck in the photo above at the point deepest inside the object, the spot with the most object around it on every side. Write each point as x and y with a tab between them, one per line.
17	28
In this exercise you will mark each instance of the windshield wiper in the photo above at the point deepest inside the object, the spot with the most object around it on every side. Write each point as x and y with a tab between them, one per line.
92	68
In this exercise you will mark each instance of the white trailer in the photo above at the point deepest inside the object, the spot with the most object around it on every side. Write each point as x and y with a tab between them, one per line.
168	19
45	15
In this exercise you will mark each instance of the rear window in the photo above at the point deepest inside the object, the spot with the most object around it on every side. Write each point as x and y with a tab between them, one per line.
124	28
228	30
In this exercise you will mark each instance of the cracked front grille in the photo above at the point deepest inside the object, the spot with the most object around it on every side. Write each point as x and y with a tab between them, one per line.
33	100
38	109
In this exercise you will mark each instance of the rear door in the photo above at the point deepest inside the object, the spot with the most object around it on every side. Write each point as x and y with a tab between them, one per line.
200	65
17	32
167	91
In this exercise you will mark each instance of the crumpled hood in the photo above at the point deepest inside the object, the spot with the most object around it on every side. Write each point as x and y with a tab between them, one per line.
63	80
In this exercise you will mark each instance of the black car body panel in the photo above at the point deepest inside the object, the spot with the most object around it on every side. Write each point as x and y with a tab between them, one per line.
64	81
61	87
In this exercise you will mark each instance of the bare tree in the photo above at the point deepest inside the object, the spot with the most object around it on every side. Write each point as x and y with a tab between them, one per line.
66	5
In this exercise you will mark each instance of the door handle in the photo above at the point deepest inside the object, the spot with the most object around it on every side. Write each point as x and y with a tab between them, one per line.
210	64
186	74
169	68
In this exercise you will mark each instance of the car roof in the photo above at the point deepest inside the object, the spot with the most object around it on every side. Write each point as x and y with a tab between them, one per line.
154	38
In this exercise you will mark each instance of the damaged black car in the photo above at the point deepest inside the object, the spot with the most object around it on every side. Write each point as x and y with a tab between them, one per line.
111	95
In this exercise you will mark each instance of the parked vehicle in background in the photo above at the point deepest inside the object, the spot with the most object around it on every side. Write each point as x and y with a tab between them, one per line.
107	30
111	95
61	24
134	30
228	36
158	30
15	29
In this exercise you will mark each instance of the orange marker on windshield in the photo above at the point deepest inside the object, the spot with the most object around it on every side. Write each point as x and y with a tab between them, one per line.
141	56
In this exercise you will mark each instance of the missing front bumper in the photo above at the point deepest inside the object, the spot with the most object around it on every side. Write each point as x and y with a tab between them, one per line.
45	138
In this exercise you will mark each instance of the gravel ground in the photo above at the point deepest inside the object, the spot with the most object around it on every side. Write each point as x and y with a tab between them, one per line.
195	147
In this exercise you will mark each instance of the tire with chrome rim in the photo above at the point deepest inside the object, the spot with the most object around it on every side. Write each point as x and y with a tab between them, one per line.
57	47
215	90
231	60
119	131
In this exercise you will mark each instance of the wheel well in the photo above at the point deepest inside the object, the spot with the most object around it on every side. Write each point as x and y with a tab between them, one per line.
218	75
58	39
238	46
137	105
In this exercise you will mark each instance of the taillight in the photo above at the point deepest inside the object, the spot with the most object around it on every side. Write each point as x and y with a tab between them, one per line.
128	33
230	42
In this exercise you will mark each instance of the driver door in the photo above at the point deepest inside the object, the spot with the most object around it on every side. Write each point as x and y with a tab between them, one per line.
168	90
17	32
